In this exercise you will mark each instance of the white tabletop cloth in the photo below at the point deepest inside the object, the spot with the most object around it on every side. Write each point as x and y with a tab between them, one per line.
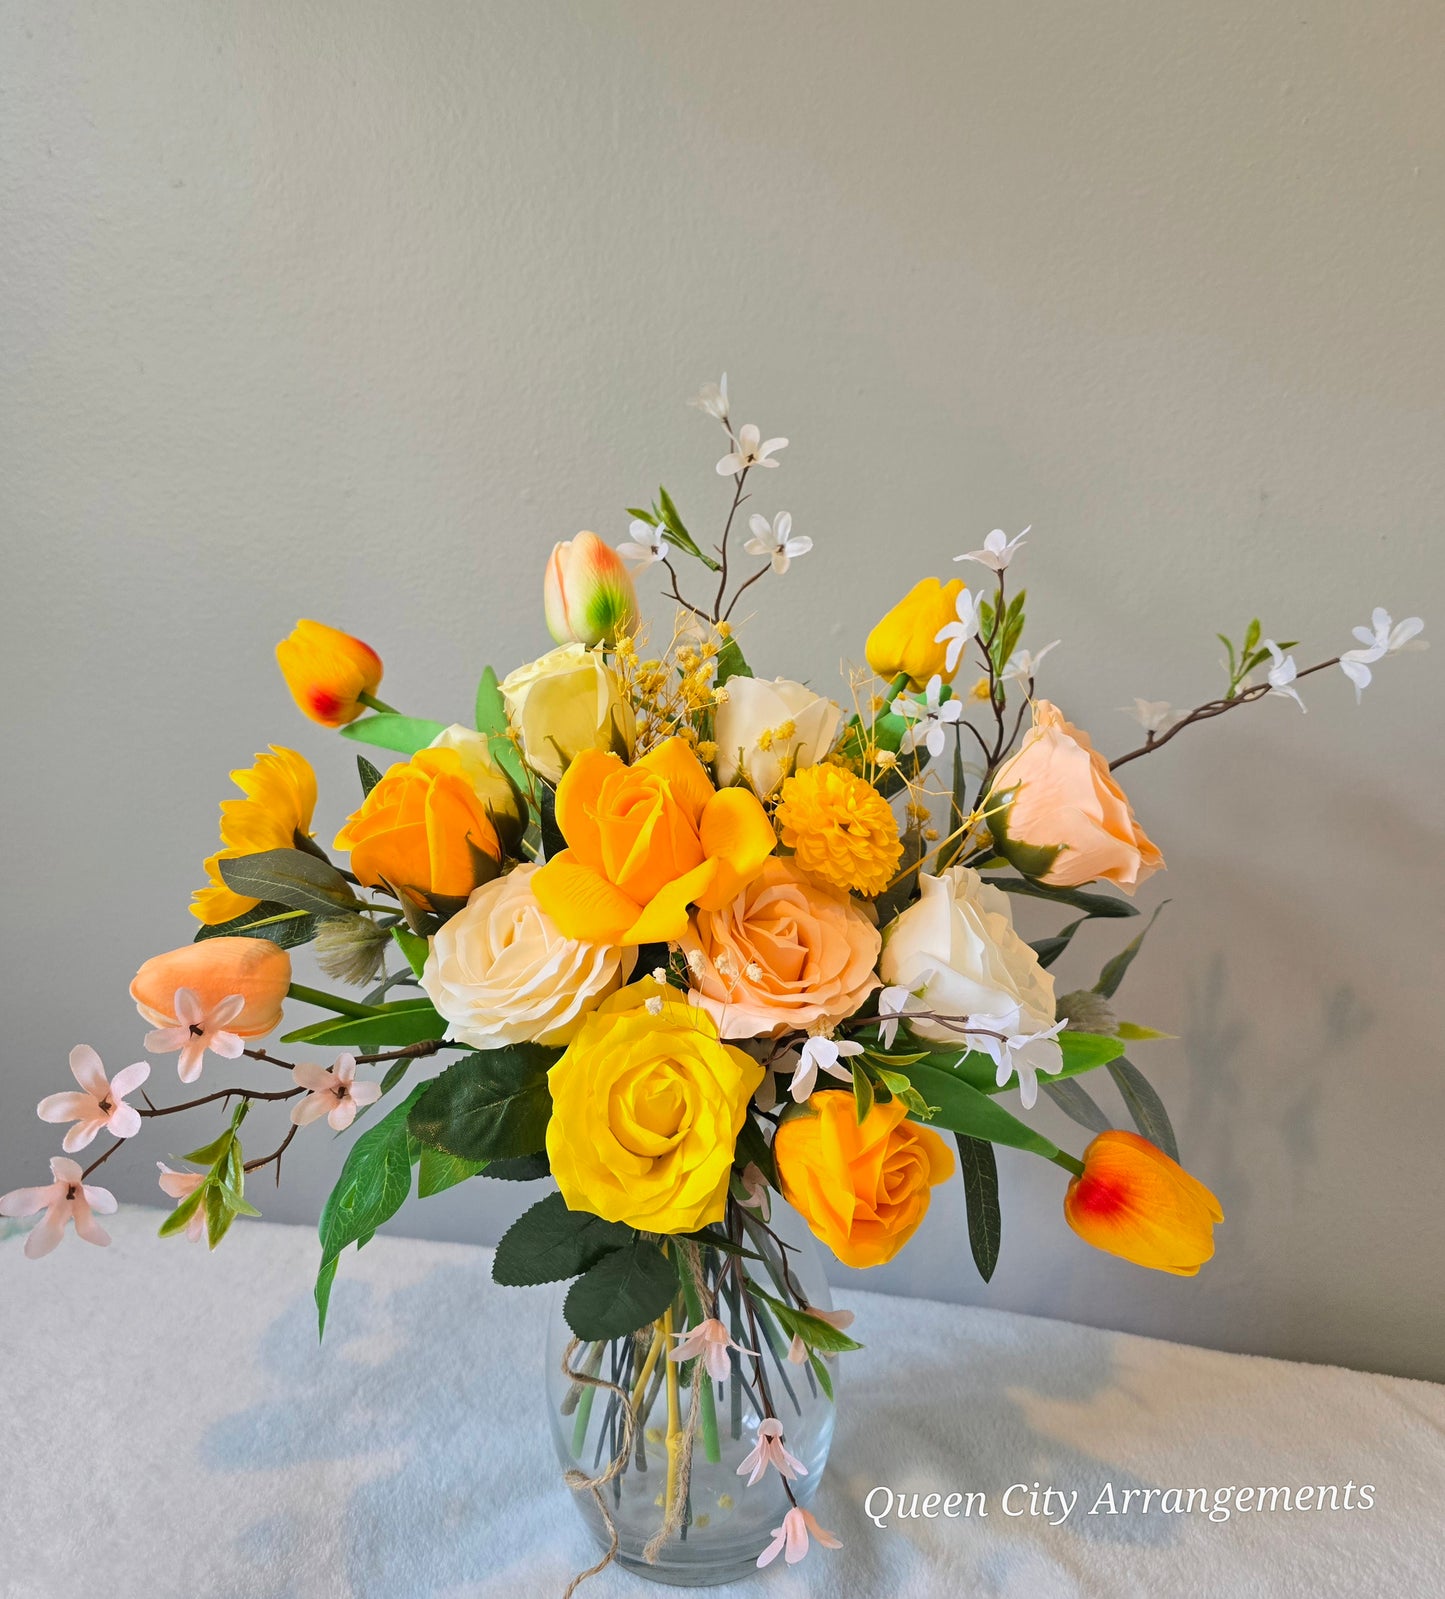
170	1427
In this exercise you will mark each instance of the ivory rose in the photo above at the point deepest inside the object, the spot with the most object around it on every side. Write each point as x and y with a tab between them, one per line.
956	947
1057	814
784	954
501	972
567	701
765	730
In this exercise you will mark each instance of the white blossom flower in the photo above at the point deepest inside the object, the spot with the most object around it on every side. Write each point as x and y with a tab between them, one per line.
647	545
1152	715
821	1054
928	719
1020	1054
775	540
1282	674
749	449
957	634
892	1004
1023	665
998	550
1383	637
712	400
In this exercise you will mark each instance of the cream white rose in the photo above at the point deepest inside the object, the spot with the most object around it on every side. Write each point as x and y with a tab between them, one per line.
564	702
500	972
956	947
768	729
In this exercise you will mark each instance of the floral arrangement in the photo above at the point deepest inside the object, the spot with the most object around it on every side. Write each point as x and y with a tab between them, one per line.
686	938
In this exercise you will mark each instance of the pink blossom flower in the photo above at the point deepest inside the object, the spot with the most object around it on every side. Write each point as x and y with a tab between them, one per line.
197	1030
334	1093
793	1536
68	1198
769	1451
181	1185
710	1341
841	1319
755	1190
100	1104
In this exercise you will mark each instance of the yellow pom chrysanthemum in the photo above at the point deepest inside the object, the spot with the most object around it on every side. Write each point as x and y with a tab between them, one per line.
840	828
280	792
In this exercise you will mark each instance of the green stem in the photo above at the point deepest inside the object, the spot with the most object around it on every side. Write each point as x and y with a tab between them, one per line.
700	1374
372	703
1075	1168
332	1002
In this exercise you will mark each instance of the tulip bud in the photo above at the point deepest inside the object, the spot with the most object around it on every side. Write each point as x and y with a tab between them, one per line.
213	969
906	639
1134	1202
327	672
588	594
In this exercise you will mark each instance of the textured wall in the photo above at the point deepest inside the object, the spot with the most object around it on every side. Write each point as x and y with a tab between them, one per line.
349	311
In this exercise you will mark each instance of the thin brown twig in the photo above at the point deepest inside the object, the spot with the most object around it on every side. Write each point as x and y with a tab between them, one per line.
739	478
276	1154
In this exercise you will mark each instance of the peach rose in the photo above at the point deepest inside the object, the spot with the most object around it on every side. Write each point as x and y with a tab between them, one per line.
784	954
1057	814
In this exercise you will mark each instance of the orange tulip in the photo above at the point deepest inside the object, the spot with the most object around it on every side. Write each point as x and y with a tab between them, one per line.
862	1189
906	639
327	672
213	969
423	829
1133	1201
646	841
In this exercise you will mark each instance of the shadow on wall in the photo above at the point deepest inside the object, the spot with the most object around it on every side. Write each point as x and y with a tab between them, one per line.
404	1461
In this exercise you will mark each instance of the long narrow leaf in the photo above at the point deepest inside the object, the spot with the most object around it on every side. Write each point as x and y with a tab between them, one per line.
980	1192
1113	972
1145	1106
1077	1104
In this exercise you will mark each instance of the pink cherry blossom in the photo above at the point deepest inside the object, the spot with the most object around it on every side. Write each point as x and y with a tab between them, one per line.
100	1104
333	1094
709	1340
792	1536
68	1198
841	1319
181	1185
769	1451
197	1030
755	1189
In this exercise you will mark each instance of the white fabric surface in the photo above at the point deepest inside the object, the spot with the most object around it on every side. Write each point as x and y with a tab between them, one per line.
171	1427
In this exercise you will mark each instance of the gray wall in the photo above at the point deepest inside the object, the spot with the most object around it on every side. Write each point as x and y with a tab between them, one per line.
350	310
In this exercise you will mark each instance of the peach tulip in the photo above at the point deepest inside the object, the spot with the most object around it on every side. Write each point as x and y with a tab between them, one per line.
212	971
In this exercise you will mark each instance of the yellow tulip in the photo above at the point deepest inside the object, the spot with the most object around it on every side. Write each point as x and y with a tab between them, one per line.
327	672
1133	1201
906	639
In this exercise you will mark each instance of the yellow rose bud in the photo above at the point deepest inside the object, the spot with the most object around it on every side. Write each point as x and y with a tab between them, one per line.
906	639
1133	1201
567	701
862	1189
647	1104
587	593
422	830
327	672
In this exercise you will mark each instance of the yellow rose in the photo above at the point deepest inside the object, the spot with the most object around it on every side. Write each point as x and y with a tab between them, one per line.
567	701
647	1104
906	640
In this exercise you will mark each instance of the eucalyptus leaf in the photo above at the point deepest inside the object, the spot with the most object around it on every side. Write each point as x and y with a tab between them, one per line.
1113	972
490	1105
289	877
550	1243
1145	1106
387	731
1048	950
625	1290
1076	1103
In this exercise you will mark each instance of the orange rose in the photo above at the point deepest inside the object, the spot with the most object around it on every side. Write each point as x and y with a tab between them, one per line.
862	1190
646	841
1058	815
423	829
1133	1201
327	672
784	954
213	969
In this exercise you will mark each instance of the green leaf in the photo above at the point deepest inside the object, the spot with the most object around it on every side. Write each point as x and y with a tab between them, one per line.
862	1092
368	774
209	1154
650	517
1145	1106
1081	1052
520	1168
270	920
625	1290
753	1149
731	662
289	877
552	841
415	949
667	514
180	1217
813	1330
962	1108
1113	972
219	1215
550	1243
1048	950
957	804
1138	1035
373	1186
490	1105
404	734
821	1372
439	1171
1090	904
407	1021
492	720
980	1191
1076	1103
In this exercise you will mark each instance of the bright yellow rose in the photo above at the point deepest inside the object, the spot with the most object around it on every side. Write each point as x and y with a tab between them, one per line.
280	792
327	672
862	1190
424	830
646	841
906	640
647	1104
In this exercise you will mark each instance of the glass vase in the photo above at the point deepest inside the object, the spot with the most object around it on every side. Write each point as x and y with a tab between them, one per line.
720	1524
